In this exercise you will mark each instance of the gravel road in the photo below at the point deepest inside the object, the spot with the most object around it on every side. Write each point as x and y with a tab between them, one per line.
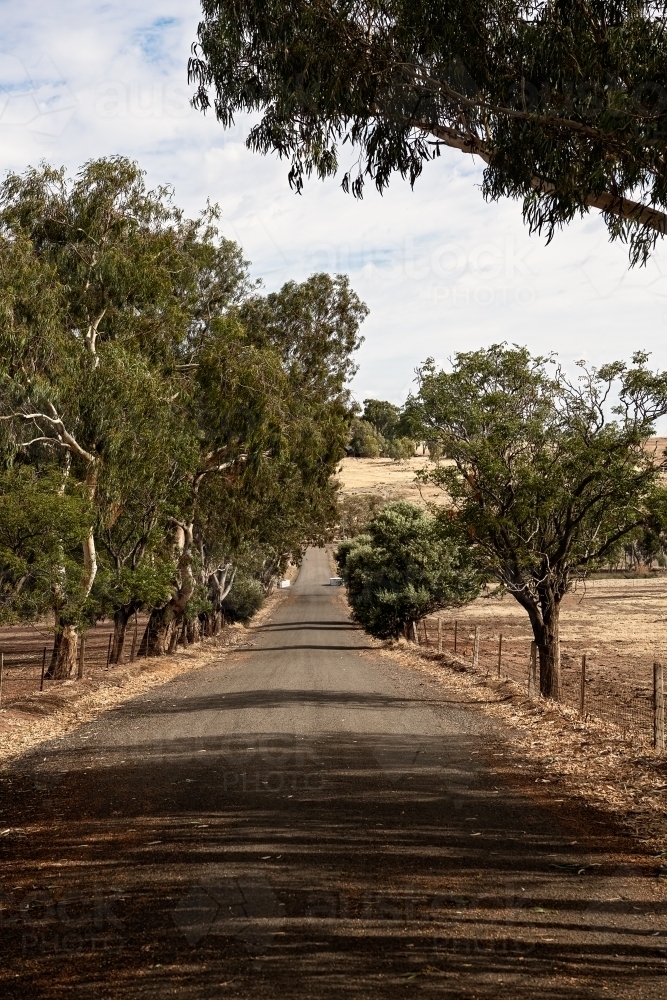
306	819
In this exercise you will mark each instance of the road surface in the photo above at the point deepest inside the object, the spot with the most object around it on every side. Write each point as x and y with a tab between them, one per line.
308	819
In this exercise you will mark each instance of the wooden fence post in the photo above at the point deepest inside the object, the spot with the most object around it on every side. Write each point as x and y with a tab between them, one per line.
425	634
2	668
109	649
500	652
41	679
658	707
415	633
532	669
82	654
440	635
582	689
456	629
475	648
134	638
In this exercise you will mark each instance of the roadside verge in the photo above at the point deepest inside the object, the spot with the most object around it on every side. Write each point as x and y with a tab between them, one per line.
48	714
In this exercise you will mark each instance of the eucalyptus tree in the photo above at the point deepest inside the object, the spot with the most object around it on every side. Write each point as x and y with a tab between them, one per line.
94	381
232	396
139	365
137	500
383	415
266	388
546	477
564	102
43	522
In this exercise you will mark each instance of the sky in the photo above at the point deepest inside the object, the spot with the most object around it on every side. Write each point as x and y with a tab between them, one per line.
440	270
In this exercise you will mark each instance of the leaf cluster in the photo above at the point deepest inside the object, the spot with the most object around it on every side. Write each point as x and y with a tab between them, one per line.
405	566
546	475
564	102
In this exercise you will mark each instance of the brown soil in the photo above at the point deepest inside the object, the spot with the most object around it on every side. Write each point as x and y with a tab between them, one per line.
618	624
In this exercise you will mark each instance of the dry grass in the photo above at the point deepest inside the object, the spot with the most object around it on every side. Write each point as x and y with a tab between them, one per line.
618	623
389	479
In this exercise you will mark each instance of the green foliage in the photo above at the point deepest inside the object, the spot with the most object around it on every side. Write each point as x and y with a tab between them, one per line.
544	480
41	525
196	422
406	566
389	425
411	424
314	328
382	415
365	442
244	599
400	449
147	585
563	102
648	543
356	511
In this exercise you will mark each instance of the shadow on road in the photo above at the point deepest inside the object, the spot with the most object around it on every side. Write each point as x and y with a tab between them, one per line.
329	866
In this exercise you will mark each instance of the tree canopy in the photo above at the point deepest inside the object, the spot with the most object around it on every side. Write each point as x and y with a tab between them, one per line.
547	475
565	102
405	566
163	426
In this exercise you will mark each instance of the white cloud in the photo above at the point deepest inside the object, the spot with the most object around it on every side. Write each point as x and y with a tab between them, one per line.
440	270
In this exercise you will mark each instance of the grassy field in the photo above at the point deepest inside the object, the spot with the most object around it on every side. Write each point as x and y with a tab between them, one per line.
389	479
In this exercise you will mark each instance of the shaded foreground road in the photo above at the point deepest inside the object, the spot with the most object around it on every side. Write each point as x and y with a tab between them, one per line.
308	821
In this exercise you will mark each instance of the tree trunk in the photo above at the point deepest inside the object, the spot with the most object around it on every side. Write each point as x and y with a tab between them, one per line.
120	619
173	637
209	623
548	648
544	612
156	639
63	656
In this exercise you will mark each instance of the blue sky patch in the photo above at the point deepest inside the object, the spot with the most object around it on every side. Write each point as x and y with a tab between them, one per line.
151	39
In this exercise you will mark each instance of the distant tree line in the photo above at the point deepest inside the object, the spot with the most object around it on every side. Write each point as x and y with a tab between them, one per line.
382	430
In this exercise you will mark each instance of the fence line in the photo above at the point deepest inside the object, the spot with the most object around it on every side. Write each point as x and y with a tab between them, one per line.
25	653
634	703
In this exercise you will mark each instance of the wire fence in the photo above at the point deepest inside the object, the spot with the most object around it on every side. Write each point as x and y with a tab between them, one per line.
630	698
25	655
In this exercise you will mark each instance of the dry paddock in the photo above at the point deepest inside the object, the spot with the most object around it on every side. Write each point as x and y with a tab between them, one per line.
618	624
